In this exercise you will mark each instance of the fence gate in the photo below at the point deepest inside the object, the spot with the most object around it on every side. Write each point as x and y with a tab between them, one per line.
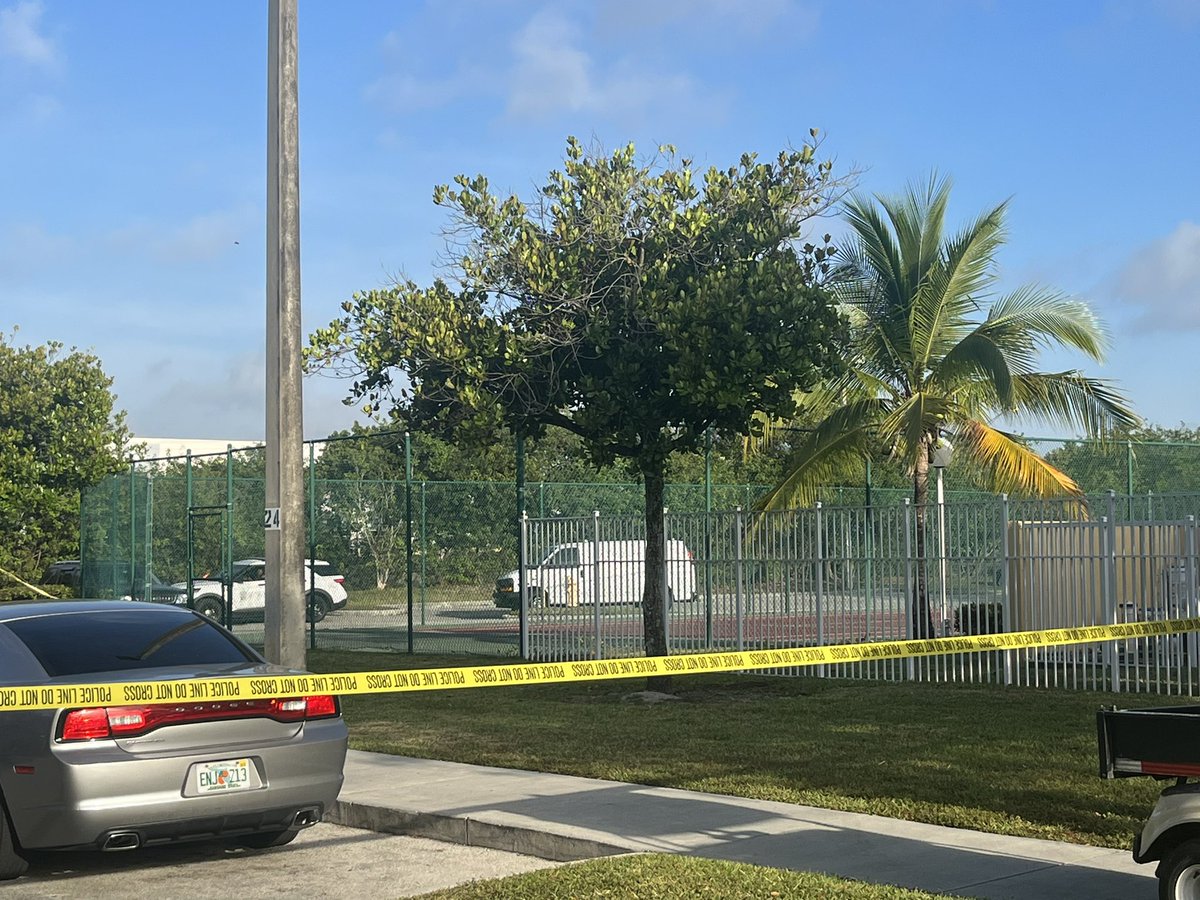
210	553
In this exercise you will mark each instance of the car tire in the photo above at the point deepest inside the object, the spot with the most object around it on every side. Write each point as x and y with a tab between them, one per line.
537	598
317	607
209	607
12	864
1179	872
264	840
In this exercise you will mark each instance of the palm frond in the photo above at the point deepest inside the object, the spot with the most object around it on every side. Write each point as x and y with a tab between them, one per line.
830	395
1013	466
905	216
879	330
763	432
921	360
843	435
908	422
976	360
1033	316
954	287
1072	398
933	202
879	250
970	255
823	400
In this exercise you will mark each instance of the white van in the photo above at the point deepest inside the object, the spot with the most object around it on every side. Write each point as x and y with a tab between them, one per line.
587	572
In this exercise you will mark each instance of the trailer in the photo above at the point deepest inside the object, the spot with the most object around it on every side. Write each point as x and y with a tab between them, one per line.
1163	743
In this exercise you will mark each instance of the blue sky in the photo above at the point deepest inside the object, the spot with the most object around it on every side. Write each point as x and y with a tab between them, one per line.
132	142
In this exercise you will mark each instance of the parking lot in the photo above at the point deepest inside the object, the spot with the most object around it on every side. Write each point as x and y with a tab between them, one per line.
326	860
479	627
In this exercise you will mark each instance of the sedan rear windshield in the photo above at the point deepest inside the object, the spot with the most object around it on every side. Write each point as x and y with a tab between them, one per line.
115	640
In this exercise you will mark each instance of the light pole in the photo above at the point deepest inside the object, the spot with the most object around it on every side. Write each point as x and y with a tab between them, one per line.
943	452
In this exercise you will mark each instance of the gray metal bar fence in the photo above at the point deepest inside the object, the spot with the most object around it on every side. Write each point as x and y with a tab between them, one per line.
847	575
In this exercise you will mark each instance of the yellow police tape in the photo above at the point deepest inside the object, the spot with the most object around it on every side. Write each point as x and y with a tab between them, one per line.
403	680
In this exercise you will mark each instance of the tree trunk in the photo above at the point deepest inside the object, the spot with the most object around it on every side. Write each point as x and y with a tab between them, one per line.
922	616
654	627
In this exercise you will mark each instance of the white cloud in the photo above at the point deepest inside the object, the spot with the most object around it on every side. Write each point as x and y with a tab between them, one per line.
554	74
1178	12
21	39
551	72
1163	280
208	236
407	86
402	92
729	16
28	248
203	392
552	66
202	238
197	399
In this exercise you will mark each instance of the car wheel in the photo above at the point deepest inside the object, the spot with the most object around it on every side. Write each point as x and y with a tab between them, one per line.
1179	873
266	839
12	864
537	598
318	608
209	607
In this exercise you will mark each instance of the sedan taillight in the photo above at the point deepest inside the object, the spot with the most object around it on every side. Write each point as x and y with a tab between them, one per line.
131	721
322	706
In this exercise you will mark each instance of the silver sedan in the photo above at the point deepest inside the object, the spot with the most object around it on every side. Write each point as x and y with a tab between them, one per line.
119	777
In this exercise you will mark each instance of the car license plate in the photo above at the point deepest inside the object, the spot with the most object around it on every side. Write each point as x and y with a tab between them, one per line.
226	775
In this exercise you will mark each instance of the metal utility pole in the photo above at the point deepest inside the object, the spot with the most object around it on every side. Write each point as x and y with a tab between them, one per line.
284	518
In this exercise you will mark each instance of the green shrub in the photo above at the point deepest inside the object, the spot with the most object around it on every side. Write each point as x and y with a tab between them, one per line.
979	618
20	592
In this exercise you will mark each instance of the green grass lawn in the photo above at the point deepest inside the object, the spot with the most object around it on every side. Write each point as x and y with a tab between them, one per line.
661	877
1010	761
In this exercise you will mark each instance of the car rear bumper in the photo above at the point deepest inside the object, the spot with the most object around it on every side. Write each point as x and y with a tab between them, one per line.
84	802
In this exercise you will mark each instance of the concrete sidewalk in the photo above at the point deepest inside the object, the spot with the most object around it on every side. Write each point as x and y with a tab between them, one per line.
561	817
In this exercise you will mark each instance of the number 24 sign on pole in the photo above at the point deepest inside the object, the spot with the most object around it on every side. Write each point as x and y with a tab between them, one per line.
271	518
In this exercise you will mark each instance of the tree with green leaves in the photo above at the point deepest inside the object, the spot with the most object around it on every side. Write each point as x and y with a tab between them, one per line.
361	500
1161	460
60	431
211	530
931	359
631	303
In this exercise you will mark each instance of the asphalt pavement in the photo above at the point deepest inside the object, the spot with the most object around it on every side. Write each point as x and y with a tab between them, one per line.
323	861
417	825
560	817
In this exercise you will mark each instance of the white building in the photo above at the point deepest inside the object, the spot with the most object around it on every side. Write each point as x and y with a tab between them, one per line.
160	447
164	446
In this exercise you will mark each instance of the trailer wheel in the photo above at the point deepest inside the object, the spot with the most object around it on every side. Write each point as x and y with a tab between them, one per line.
1179	874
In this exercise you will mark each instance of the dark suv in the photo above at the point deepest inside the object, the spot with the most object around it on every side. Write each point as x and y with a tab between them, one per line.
102	576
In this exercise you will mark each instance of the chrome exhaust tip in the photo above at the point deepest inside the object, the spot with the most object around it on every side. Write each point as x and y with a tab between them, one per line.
307	817
122	840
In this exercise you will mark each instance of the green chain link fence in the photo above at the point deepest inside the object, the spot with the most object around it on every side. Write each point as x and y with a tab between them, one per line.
169	520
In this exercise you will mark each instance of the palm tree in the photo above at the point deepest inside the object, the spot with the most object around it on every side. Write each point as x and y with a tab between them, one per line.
930	357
